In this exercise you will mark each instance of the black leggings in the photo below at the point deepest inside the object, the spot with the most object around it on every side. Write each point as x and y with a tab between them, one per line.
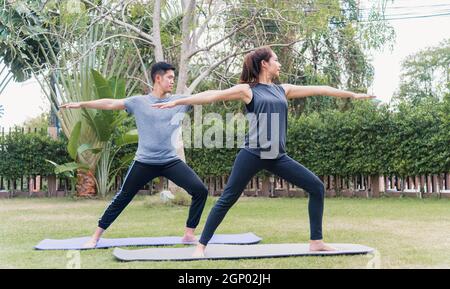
245	167
140	174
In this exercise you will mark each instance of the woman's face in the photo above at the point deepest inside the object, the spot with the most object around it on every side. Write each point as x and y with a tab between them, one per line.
272	66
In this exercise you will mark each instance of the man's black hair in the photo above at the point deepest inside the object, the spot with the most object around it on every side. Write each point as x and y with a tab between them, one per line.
160	68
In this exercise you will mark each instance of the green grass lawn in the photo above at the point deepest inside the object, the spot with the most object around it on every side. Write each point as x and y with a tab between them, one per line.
407	233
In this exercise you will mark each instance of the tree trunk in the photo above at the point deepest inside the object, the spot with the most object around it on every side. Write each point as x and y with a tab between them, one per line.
159	55
188	9
85	184
265	188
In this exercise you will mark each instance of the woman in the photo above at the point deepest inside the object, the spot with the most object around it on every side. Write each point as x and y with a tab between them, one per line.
267	102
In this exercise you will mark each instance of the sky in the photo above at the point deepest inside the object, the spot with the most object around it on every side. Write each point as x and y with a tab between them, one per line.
412	35
22	101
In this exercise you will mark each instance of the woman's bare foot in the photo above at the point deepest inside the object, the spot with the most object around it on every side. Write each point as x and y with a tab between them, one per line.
91	244
199	251
319	245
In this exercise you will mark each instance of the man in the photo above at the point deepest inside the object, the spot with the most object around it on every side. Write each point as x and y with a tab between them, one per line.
156	154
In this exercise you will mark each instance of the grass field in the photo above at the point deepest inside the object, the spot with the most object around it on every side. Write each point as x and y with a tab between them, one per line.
407	233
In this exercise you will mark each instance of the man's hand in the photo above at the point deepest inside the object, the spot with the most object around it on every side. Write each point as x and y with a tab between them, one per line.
363	96
71	105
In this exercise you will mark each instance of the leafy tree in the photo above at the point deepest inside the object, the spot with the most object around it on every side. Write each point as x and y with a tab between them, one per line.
425	74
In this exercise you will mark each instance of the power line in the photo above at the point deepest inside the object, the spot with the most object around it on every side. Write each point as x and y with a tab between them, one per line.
412	13
409	17
386	8
420	6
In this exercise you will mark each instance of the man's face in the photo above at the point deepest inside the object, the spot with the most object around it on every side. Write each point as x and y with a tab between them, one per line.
166	81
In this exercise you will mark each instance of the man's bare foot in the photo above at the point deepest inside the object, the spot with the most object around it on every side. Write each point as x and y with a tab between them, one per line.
91	244
199	251
187	238
319	245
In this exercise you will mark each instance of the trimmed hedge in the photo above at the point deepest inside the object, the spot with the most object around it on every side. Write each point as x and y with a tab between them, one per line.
366	140
24	154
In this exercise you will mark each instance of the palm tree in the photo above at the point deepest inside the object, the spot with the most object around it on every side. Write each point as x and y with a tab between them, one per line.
69	57
81	82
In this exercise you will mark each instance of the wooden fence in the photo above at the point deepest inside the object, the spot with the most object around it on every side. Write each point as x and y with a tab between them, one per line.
335	186
359	186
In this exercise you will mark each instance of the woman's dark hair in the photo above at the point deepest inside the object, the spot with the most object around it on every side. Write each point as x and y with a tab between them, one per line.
160	68
252	65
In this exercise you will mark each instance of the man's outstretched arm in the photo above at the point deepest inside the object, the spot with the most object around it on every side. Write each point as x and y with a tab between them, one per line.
104	104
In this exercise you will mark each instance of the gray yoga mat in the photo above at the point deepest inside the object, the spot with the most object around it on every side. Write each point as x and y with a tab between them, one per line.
77	243
236	252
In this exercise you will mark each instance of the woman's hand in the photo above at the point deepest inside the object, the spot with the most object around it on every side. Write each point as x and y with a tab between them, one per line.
168	104
363	96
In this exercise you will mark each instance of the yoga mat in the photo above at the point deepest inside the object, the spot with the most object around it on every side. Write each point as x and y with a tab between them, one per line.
77	243
215	252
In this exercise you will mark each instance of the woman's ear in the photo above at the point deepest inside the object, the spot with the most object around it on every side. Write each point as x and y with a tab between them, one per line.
264	63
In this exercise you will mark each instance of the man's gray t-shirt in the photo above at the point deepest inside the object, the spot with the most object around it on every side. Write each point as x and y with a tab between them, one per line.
156	127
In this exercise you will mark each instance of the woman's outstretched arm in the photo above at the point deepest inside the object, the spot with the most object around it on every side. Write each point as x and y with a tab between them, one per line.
297	91
237	92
